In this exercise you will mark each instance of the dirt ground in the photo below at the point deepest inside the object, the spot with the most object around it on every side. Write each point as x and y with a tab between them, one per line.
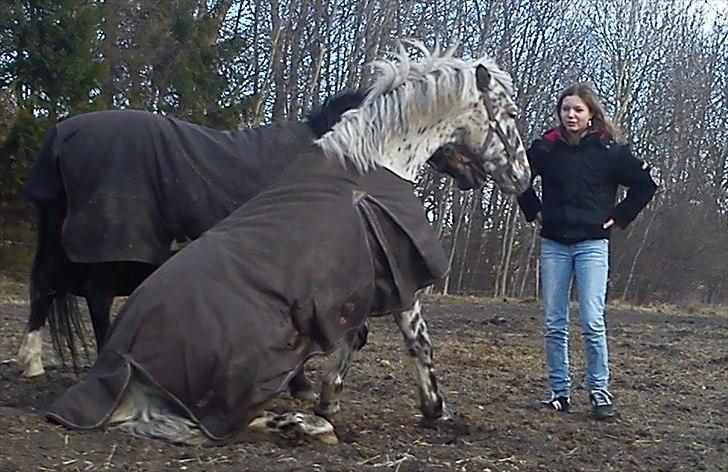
670	378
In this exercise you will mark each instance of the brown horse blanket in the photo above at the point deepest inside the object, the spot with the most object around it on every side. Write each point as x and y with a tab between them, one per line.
224	324
135	180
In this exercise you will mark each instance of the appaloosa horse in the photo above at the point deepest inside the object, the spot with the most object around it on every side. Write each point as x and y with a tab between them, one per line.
219	329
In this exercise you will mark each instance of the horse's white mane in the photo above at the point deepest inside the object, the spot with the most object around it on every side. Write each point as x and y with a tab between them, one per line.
404	93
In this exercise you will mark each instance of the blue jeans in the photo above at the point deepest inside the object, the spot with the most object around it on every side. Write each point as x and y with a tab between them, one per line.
589	262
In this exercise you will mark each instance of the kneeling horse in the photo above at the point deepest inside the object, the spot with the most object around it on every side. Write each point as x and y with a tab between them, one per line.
217	331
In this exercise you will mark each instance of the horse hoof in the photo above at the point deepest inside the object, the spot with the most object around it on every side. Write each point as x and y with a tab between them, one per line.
318	428
436	423
21	362
444	418
327	411
35	369
296	424
23	358
29	356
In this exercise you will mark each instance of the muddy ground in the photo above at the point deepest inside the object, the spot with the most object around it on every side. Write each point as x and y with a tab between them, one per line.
670	378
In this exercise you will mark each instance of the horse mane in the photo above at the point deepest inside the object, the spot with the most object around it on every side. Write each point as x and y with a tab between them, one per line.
323	118
404	92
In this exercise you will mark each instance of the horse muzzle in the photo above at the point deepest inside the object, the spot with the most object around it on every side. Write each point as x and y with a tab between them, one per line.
513	178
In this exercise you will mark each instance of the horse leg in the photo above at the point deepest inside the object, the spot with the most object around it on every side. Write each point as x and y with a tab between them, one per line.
98	307
45	285
333	382
297	423
104	281
417	341
41	296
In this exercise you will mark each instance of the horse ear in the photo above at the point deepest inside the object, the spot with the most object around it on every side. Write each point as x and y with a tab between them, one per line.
482	77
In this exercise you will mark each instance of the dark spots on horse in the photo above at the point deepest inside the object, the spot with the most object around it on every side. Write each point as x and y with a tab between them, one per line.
423	341
433	381
288	426
278	422
414	323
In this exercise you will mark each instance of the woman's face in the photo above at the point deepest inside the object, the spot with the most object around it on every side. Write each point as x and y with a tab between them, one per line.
575	114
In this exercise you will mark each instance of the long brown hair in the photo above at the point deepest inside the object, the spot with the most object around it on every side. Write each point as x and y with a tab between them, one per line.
601	123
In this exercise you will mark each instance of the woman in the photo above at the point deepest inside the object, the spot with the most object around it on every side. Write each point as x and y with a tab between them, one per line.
581	165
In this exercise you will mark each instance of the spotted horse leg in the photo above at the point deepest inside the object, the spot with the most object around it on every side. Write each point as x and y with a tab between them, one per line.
418	344
333	382
295	424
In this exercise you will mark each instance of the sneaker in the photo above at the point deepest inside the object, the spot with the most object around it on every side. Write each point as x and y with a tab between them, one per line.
601	401
557	403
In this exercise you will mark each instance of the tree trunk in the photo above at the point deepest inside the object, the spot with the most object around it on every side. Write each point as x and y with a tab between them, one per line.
637	255
501	266
461	216
527	270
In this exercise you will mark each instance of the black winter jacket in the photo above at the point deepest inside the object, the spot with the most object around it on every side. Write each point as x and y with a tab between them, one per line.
580	185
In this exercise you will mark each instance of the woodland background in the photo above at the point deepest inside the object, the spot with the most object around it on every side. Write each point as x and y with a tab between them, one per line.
661	66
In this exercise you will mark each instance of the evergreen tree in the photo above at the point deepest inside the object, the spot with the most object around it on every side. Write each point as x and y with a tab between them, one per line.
169	57
49	69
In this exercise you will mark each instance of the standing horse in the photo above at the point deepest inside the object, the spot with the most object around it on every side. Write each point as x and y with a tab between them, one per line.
115	188
219	329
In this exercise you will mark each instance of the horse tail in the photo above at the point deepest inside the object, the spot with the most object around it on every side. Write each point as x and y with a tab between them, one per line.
44	183
144	410
52	270
64	316
66	329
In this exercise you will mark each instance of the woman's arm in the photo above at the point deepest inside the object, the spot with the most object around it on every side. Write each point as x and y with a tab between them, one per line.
635	174
528	201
